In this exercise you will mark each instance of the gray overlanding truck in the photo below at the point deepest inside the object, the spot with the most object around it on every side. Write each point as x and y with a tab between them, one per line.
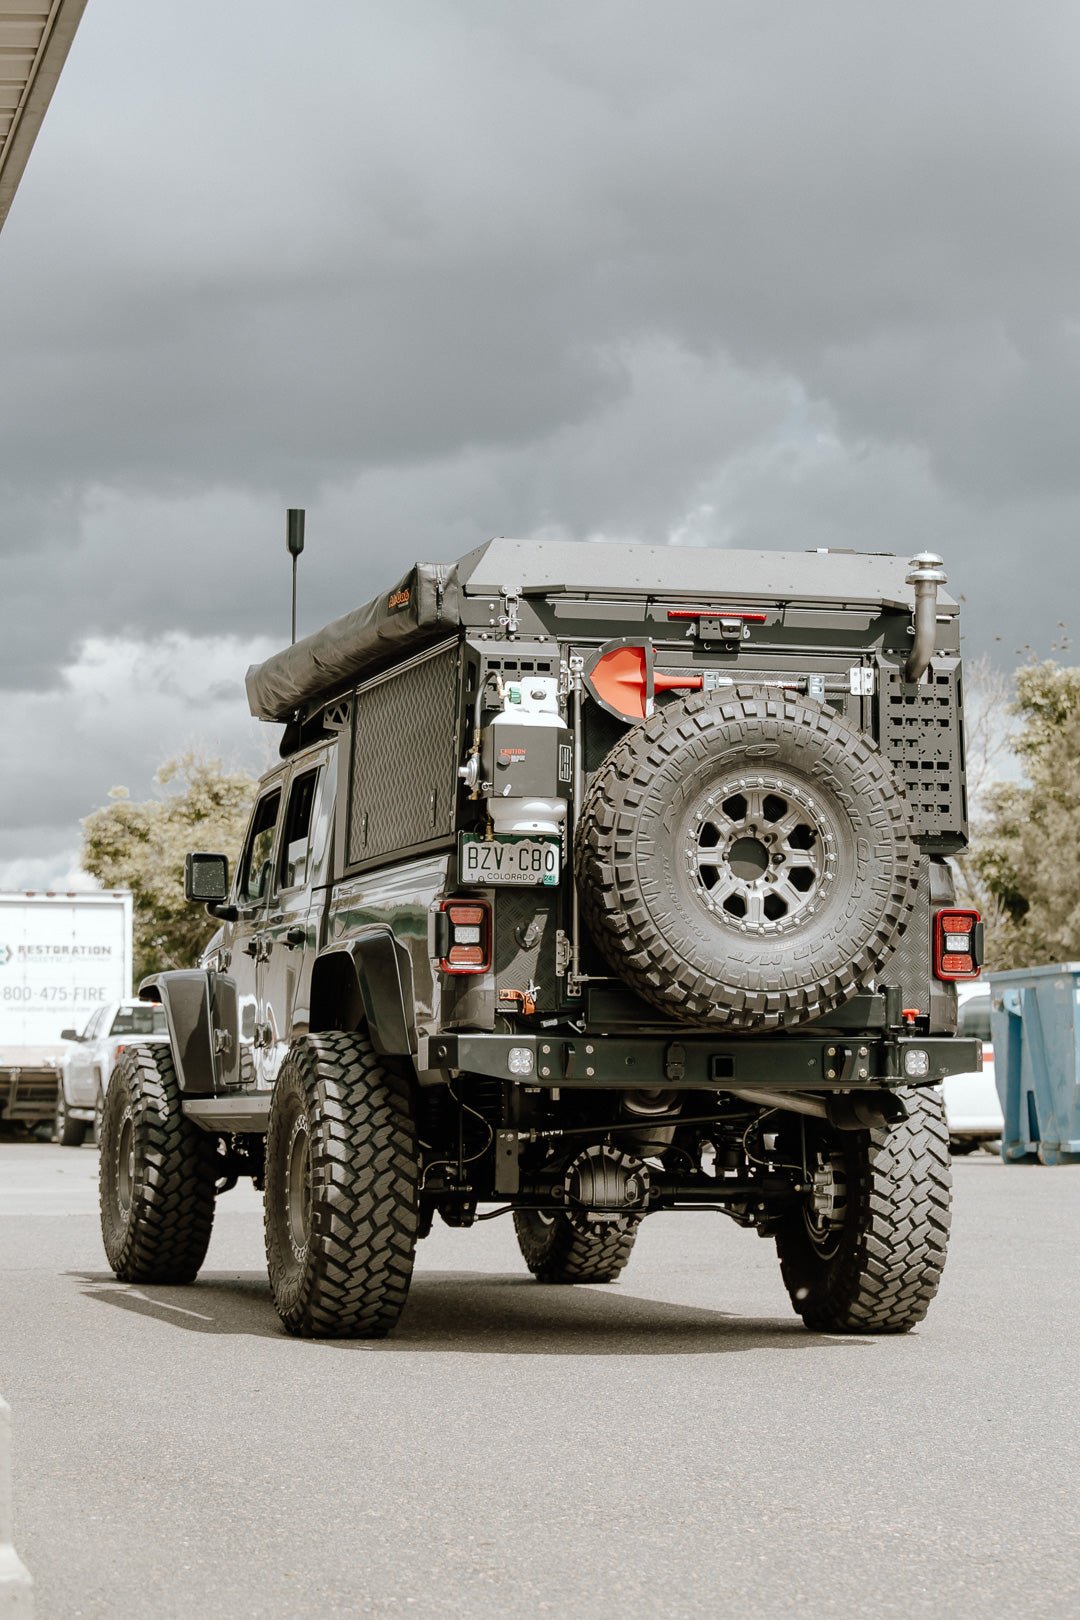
594	882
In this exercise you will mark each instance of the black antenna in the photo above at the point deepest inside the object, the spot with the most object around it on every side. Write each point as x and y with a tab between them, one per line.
294	539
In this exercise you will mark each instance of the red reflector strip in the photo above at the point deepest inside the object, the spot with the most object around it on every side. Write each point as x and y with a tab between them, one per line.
466	956
716	613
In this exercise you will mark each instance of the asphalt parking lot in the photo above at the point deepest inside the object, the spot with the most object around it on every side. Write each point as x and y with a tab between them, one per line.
675	1445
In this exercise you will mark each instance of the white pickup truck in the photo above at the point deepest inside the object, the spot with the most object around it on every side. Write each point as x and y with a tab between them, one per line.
88	1062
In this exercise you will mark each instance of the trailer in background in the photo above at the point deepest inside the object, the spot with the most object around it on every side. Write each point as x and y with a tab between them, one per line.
62	956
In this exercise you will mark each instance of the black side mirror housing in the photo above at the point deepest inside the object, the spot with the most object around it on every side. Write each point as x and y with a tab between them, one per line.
206	878
69	1035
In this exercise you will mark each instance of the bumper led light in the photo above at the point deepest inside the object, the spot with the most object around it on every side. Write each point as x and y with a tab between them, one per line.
520	1060
916	1063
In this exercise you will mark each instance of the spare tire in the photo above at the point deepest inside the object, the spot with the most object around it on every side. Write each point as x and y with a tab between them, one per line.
744	860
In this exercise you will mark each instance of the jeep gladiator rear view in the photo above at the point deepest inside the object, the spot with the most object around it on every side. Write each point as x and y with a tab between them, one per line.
593	883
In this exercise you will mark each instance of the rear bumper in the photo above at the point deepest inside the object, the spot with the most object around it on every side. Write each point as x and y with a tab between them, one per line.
787	1062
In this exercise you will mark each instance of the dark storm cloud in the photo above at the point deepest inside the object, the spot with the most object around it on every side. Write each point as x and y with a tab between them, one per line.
722	273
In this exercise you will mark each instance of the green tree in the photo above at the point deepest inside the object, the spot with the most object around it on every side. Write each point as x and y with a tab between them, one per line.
141	847
1027	856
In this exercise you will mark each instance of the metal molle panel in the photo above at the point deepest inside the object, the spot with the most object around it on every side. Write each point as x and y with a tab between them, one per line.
525	928
921	735
518	664
403	787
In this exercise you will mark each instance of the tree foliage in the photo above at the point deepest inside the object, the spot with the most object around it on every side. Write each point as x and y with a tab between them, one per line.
141	847
1026	856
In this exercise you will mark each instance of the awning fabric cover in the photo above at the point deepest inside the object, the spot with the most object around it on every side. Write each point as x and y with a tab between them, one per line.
421	609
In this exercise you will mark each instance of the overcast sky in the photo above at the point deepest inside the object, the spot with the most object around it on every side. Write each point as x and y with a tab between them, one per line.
710	272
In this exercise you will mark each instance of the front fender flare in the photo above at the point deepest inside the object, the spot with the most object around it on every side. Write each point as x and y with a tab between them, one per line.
202	1011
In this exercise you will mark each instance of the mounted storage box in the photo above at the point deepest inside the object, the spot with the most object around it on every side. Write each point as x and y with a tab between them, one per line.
1035	1018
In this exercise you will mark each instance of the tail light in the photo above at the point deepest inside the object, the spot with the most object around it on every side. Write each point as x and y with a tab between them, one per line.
463	936
958	944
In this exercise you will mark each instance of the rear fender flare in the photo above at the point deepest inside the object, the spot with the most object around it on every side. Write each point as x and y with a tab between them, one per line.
367	979
202	1011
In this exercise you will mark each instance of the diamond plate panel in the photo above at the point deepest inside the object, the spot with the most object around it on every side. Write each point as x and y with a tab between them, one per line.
403	789
525	927
909	964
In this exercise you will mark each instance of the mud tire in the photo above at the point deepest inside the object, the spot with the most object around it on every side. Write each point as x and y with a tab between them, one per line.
556	1252
156	1174
643	898
887	1258
340	1256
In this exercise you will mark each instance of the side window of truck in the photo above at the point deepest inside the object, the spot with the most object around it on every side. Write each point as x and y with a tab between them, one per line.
296	842
255	867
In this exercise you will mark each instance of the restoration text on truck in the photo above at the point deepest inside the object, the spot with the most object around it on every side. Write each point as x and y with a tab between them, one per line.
593	883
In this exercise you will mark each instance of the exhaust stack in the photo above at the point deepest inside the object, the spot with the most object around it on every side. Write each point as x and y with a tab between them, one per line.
927	574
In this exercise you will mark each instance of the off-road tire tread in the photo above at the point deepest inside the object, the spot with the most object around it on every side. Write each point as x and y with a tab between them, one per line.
172	1212
885	1278
559	1253
359	1265
641	942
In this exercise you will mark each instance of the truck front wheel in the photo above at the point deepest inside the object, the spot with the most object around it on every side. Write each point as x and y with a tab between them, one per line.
156	1175
864	1252
341	1189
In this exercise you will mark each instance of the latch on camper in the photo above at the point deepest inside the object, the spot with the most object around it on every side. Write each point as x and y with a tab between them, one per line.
511	595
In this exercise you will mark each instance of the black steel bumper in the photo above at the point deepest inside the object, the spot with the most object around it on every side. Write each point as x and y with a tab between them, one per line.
812	1063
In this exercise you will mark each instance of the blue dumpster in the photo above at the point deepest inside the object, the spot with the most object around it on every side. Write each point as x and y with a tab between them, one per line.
1035	1019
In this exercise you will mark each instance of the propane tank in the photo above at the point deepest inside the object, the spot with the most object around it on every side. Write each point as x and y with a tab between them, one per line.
527	760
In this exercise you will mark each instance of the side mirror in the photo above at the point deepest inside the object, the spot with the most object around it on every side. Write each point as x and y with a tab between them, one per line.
69	1034
206	878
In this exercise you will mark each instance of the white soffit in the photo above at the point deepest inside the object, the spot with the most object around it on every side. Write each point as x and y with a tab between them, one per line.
35	36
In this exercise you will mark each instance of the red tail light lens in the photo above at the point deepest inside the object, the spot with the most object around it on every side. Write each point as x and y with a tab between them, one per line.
464	936
958	944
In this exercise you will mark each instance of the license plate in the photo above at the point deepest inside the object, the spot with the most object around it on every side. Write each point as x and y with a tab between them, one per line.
507	859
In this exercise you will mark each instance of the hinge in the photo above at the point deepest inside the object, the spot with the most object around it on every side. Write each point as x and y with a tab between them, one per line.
562	954
861	677
815	687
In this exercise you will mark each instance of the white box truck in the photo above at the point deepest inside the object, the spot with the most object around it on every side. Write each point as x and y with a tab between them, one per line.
61	957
